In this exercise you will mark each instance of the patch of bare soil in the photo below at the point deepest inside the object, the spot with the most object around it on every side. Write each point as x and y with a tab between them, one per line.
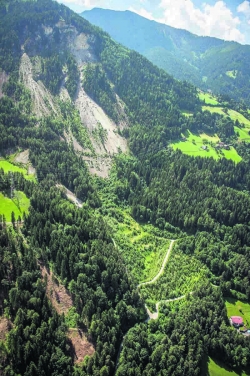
56	292
23	157
62	302
99	165
42	99
5	326
3	79
81	345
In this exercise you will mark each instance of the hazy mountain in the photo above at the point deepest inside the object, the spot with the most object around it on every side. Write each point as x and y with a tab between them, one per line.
209	63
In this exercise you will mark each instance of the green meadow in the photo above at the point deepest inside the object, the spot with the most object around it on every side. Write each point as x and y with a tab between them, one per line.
243	134
19	205
238	308
217	110
208	98
193	146
234	115
9	167
216	368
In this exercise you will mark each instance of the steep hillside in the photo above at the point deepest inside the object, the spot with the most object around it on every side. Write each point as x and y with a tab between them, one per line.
74	105
208	63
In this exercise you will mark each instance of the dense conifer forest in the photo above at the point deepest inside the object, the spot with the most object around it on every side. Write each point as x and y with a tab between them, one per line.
153	195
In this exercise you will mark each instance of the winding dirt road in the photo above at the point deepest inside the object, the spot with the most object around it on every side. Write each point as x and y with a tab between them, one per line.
155	315
162	267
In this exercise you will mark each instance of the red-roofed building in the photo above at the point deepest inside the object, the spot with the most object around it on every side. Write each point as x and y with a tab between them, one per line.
236	321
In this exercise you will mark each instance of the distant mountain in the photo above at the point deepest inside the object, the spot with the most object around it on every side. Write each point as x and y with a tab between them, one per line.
209	63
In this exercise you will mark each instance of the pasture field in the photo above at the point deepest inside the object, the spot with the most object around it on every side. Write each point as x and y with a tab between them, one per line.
217	110
243	134
193	146
209	99
232	154
219	369
234	115
19	205
238	308
9	167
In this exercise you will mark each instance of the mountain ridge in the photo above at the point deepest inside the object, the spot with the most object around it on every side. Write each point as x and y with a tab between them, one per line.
204	61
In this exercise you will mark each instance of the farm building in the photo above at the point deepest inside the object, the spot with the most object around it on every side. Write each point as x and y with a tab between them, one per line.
236	321
222	145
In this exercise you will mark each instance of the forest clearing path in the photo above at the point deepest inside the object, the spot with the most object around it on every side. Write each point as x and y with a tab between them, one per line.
162	267
154	315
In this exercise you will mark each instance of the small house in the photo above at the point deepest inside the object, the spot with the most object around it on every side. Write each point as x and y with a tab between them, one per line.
236	321
204	147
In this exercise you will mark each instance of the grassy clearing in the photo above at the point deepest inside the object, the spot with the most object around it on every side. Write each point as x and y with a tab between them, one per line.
217	110
220	369
208	98
234	115
19	205
238	308
193	146
182	273
9	167
232	73
232	154
213	138
243	134
142	246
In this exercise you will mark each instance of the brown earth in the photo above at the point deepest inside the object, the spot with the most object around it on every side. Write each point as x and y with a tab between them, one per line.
81	345
5	326
56	292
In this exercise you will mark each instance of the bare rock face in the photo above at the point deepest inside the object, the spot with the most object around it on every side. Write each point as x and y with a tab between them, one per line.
92	115
43	103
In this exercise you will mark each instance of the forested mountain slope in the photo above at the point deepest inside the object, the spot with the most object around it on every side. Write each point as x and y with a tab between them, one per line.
208	63
76	103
